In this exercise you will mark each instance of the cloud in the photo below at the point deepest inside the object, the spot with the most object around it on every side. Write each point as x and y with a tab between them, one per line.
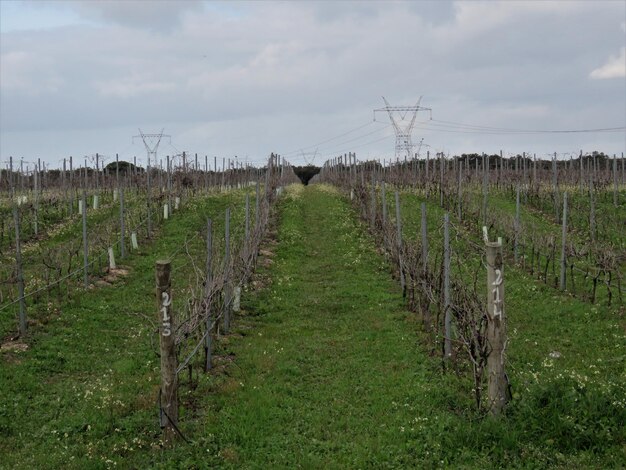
253	77
132	86
29	73
614	68
162	15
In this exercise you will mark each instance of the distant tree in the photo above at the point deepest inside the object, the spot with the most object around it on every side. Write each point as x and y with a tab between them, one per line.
305	173
123	166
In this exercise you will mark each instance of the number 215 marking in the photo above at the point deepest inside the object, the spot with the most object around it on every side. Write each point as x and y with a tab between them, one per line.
166	319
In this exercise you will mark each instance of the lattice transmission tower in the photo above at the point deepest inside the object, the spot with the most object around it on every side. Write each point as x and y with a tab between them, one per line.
309	157
399	117
151	142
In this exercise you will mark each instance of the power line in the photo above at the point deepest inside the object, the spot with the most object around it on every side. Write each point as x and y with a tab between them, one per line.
339	148
357	146
295	152
478	129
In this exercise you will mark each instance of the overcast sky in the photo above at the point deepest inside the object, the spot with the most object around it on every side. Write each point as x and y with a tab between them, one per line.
250	78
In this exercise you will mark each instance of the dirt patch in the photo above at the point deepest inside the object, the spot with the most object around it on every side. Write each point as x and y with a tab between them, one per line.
230	385
13	346
229	454
114	274
221	363
267	253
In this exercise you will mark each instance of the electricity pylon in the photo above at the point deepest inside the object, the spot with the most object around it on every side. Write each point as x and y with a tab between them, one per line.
151	142
306	155
402	126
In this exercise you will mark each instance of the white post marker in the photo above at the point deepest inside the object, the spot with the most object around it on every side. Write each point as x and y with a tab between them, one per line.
133	240
112	264
237	299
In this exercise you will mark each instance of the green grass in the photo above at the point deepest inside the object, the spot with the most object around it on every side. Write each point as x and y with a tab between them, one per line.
85	391
325	369
103	227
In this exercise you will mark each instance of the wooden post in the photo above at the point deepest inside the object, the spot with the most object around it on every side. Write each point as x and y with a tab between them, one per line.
562	278
227	299
97	174
64	181
399	245
459	192
20	274
524	175
424	239
169	378
614	180
85	243
169	182
496	326
535	171
373	203
257	205
447	345
384	202
441	161
427	170
485	188
36	205
555	188
207	287
247	225
592	209
581	171
517	226
148	198
122	228
71	185
206	172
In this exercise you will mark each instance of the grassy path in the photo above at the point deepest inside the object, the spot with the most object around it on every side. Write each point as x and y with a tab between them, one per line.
332	375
